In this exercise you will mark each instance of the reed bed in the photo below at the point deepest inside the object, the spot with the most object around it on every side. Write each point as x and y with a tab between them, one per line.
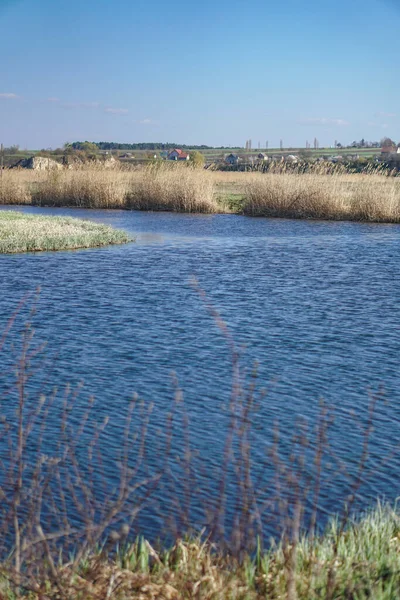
349	198
15	187
91	188
174	188
372	197
20	232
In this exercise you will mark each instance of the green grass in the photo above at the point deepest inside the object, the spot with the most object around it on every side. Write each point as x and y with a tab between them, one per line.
360	562
21	232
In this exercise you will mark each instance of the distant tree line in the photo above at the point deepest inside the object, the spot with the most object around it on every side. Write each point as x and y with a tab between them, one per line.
385	141
137	146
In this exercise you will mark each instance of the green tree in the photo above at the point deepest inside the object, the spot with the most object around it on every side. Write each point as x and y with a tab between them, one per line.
196	159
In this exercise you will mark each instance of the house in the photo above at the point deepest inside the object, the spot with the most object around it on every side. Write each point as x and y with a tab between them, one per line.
178	154
232	159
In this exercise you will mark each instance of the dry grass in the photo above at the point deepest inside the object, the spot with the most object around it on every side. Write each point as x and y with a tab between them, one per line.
171	187
15	188
20	232
179	188
176	188
347	197
91	188
365	565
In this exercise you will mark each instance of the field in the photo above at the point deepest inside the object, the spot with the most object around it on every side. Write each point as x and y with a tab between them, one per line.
31	233
211	155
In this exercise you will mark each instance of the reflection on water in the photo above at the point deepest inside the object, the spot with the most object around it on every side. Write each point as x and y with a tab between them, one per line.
316	303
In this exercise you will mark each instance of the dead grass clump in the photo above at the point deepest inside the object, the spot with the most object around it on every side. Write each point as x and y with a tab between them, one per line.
179	189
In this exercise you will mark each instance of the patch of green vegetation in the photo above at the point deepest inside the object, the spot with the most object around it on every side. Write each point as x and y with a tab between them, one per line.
20	232
233	201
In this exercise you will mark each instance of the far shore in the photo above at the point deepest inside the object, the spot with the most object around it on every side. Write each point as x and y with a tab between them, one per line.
339	196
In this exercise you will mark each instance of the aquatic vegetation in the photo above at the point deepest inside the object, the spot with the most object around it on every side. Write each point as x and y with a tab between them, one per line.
345	198
20	232
373	197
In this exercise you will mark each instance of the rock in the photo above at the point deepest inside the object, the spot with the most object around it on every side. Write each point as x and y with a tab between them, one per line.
38	163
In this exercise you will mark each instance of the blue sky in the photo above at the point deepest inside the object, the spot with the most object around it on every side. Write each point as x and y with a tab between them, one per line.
202	72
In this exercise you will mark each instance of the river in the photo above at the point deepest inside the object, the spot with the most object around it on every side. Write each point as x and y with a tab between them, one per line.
315	303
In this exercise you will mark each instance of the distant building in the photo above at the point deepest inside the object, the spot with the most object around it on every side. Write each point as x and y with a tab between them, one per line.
178	154
232	159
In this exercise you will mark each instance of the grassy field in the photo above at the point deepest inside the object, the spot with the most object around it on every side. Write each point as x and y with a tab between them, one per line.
31	233
211	155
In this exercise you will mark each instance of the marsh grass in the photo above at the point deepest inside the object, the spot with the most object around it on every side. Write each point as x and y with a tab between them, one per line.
373	197
20	232
348	197
79	188
175	188
158	187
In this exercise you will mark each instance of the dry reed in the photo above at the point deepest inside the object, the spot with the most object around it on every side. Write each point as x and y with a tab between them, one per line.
351	197
176	189
179	188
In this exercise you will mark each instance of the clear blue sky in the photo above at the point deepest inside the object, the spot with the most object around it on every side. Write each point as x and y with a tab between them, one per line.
202	72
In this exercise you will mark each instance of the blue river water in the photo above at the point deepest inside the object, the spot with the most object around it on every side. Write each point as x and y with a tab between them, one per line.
316	304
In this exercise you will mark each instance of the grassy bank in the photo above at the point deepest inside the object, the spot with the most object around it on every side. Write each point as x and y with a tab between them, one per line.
32	233
358	197
362	562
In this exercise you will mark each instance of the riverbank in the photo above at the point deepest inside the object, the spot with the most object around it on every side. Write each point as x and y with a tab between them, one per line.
177	188
363	561
20	232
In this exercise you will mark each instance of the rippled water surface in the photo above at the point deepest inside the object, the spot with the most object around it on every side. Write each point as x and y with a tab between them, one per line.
315	303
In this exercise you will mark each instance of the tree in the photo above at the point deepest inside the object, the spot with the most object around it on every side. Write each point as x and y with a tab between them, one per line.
386	142
196	159
12	149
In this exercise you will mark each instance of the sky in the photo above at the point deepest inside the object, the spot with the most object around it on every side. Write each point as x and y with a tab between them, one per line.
205	72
